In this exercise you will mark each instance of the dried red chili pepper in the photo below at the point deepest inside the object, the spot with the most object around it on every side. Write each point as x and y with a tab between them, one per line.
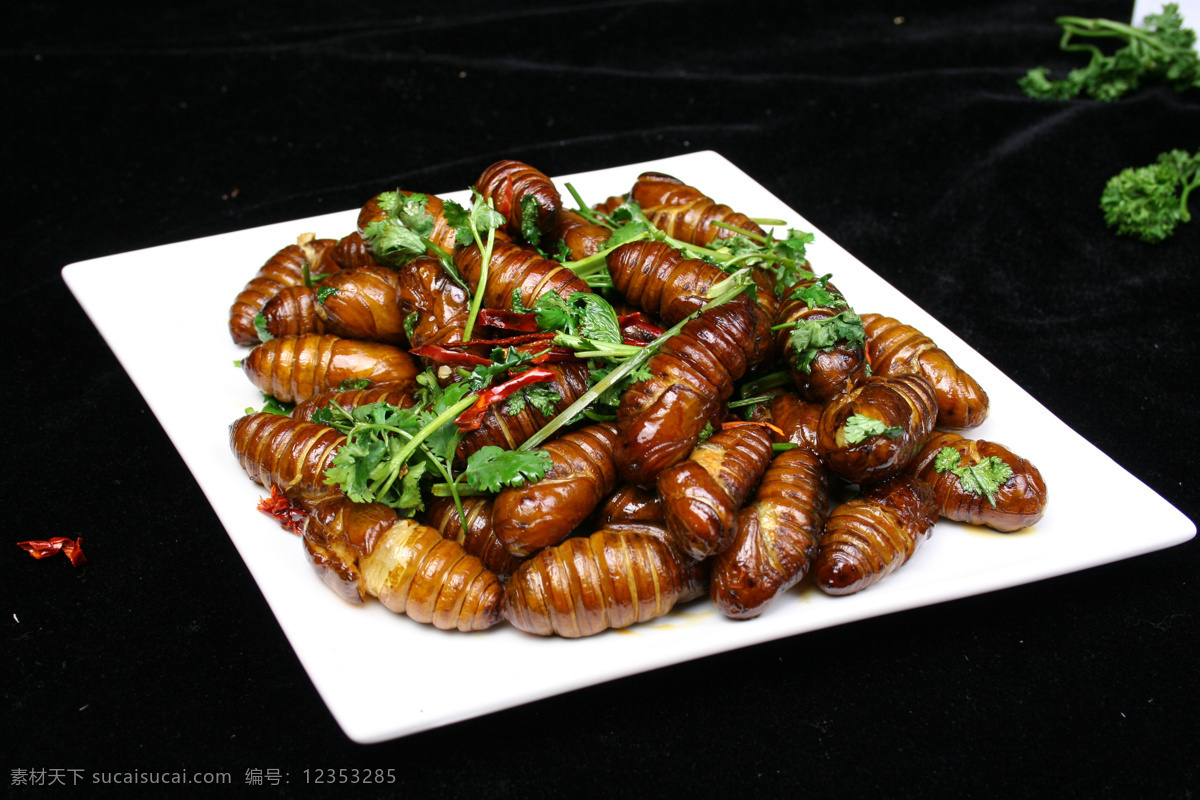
508	320
511	341
449	355
556	355
472	418
637	329
279	508
71	548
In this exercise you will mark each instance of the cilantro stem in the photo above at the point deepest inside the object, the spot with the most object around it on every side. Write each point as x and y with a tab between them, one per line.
731	287
485	261
771	381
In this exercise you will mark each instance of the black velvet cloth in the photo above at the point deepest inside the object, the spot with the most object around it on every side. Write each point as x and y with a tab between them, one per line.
896	127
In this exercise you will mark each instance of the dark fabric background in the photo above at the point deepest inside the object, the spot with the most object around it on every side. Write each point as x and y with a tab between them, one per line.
896	127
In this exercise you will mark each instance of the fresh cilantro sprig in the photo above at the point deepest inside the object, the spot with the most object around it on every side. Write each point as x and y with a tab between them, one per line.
812	336
1148	202
984	477
786	258
476	226
860	427
1160	50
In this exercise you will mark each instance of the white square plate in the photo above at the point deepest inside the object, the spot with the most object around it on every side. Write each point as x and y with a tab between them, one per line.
191	385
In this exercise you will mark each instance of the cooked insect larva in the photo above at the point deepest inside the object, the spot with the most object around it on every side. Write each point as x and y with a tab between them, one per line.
508	431
869	537
544	512
285	268
363	303
630	503
701	496
294	368
475	535
399	394
777	536
820	370
873	431
691	376
796	418
291	454
408	566
894	348
437	306
516	269
1019	499
374	215
352	251
611	579
575	235
291	312
513	187
684	212
661	280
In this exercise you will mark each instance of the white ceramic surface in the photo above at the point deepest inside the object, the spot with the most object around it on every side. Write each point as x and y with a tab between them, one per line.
427	677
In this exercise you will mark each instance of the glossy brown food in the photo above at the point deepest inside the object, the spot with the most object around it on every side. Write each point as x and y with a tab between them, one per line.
684	212
692	375
777	536
291	454
436	304
443	236
575	234
514	268
352	251
869	537
544	512
832	369
366	548
291	312
508	183
894	348
475	535
508	431
285	268
906	402
701	496
399	394
661	280
363	303
796	418
630	503
1019	502
295	368
611	579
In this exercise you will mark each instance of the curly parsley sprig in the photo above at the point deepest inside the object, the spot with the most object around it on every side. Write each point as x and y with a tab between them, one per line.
1148	202
1161	50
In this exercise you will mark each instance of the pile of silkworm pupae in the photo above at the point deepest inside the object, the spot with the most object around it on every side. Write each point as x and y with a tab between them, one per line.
672	499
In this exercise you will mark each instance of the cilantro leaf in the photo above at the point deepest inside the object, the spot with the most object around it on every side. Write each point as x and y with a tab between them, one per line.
530	211
490	468
813	336
985	477
859	427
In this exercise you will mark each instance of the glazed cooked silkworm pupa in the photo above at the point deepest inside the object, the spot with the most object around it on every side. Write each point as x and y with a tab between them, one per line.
291	312
872	432
363	303
611	579
435	304
661	280
574	235
542	513
894	348
513	268
823	341
777	536
522	194
630	503
294	368
692	375
408	566
473	530
684	212
981	482
285	268
288	453
701	495
352	251
869	537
